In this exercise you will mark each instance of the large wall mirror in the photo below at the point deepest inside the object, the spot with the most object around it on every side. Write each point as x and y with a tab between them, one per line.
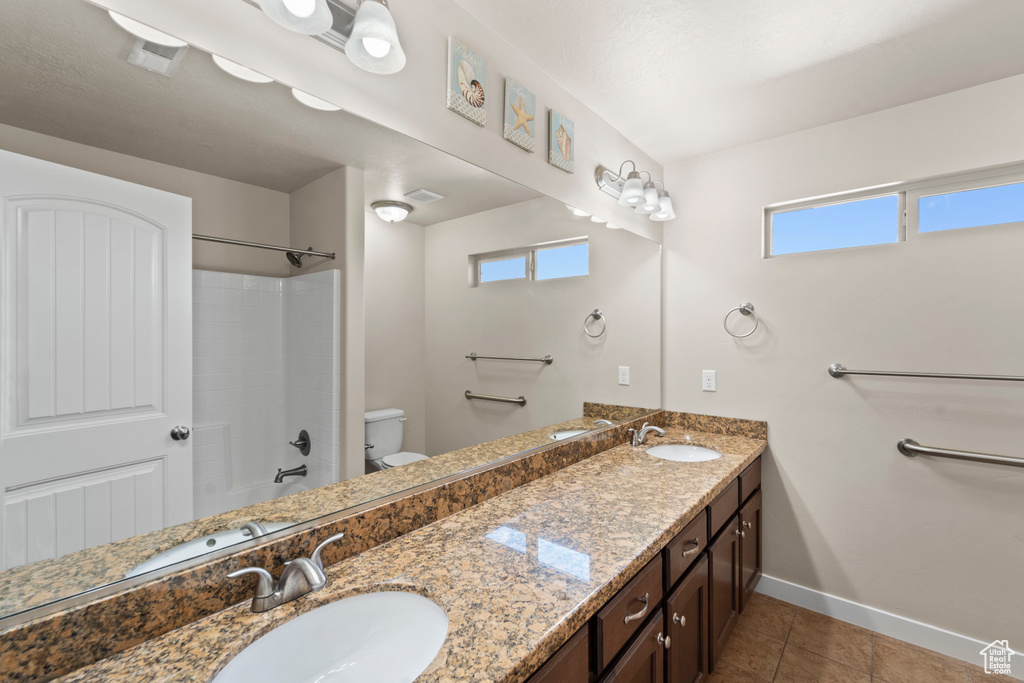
491	321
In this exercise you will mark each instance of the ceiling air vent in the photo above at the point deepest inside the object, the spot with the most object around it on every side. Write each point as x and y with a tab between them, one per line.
423	196
156	58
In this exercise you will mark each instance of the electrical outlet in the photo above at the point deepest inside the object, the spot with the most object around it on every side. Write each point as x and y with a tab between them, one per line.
708	381
624	375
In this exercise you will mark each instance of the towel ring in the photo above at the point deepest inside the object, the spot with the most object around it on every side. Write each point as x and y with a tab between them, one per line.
746	308
596	315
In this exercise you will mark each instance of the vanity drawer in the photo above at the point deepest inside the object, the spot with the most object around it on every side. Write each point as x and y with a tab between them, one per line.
571	664
723	507
624	614
683	550
750	479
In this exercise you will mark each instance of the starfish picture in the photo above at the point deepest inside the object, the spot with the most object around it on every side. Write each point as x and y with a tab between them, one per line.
523	117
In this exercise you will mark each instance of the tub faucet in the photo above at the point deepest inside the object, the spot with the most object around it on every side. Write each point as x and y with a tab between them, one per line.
300	576
640	436
299	471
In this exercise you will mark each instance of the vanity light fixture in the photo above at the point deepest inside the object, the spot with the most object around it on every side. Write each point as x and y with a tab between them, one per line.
580	213
595	219
313	101
310	17
140	30
630	190
239	71
373	44
612	226
391	211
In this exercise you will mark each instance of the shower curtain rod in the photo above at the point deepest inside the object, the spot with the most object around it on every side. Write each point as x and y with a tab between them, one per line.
257	245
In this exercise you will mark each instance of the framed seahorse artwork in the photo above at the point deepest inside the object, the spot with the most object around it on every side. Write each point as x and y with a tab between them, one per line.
520	110
561	142
467	82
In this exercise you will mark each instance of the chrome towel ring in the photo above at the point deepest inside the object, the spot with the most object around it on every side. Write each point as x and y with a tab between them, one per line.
746	308
596	315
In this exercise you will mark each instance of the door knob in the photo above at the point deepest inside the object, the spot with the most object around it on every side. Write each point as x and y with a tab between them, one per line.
180	433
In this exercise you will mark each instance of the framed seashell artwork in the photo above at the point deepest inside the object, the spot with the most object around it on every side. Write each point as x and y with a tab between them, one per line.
561	142
520	109
467	82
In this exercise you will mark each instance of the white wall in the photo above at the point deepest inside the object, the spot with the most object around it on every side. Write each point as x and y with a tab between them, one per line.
220	207
396	355
938	541
533	319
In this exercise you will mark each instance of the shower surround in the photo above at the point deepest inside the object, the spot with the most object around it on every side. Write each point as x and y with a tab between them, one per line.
266	365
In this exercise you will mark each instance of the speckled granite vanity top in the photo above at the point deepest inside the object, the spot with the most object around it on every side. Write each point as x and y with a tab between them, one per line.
518	574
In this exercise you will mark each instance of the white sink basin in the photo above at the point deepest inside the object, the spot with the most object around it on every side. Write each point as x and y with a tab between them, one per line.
683	453
568	434
200	546
386	637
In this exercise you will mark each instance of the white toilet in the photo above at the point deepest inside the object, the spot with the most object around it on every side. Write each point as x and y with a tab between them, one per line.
384	439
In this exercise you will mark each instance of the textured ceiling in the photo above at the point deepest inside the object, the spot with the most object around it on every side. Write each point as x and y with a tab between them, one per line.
685	77
63	72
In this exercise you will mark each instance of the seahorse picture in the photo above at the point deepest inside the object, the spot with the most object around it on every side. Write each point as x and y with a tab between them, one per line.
467	82
520	110
561	142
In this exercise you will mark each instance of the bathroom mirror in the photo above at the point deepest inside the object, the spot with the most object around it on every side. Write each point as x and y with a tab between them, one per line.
491	321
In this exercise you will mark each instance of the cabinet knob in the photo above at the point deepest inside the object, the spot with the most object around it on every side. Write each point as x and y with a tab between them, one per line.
679	619
664	641
748	525
740	533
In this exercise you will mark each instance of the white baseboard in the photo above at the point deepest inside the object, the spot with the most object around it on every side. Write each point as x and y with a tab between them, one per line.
880	621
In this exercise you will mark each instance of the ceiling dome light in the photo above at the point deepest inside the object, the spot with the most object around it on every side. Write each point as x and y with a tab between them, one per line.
390	211
665	210
310	17
373	44
140	30
313	101
632	191
239	71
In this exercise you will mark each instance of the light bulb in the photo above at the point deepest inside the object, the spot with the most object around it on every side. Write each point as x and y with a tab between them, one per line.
376	47
313	101
300	8
579	212
140	30
632	191
239	71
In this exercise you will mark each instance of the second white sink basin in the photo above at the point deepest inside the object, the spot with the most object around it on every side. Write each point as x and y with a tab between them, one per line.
683	453
385	637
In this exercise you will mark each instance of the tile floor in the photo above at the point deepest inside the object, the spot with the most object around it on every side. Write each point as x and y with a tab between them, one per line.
775	641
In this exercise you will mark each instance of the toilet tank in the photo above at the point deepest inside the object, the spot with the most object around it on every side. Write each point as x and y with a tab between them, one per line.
384	431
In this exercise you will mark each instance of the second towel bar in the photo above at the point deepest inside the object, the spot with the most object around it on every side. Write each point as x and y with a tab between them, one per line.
837	370
547	360
910	448
521	400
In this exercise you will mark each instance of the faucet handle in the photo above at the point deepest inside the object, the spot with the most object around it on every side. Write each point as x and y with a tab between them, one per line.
315	557
264	582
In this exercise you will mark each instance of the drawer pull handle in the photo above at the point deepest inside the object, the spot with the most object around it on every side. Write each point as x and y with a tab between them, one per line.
664	640
634	617
695	548
679	619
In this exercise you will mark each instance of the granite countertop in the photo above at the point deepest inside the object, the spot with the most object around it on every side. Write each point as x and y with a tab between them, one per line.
600	521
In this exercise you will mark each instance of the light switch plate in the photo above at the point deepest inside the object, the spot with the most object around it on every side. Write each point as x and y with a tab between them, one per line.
708	381
624	375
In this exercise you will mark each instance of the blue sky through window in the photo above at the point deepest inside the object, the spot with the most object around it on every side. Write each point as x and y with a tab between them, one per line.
850	224
568	261
508	269
971	208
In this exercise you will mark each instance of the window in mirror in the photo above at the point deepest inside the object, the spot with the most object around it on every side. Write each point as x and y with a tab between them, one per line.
547	261
503	269
567	261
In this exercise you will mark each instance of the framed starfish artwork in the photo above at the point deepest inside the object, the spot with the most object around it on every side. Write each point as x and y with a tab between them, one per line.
561	142
520	109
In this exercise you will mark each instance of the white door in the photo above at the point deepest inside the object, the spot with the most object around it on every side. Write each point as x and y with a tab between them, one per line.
96	355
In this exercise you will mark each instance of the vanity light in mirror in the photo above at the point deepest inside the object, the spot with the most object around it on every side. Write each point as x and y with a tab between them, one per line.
373	44
313	101
140	30
595	219
580	212
310	17
390	211
239	71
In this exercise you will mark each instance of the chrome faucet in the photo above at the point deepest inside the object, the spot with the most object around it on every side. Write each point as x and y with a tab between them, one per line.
641	435
603	423
255	529
300	576
299	471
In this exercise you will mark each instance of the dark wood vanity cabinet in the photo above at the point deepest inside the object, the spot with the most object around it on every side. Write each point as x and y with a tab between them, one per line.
724	580
686	621
571	664
750	547
644	660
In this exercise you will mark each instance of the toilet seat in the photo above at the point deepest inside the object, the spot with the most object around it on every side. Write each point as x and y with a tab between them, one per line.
399	459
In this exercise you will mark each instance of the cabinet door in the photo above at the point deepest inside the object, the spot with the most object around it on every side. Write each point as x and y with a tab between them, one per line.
686	619
644	661
724	594
750	548
571	664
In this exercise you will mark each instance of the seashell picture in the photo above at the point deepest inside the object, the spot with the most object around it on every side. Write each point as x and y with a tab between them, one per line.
520	109
561	142
467	82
